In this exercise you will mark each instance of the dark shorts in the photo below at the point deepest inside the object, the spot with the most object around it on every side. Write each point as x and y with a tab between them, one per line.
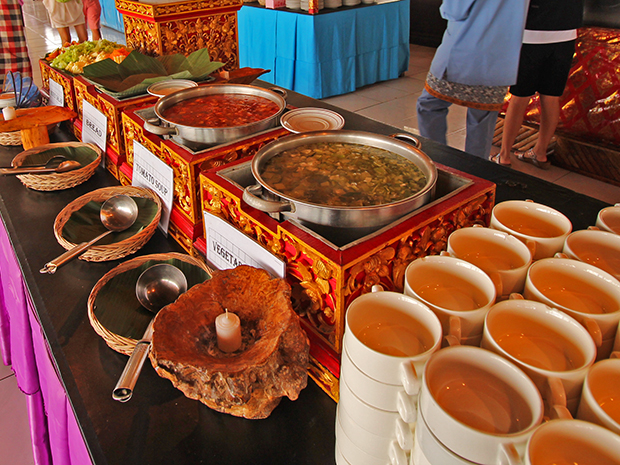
544	68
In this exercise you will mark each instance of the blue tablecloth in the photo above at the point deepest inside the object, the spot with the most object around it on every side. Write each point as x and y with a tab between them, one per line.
326	54
110	16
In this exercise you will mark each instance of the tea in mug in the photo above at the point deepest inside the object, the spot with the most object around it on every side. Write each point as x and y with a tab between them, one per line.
395	333
533	343
557	449
605	387
487	255
449	291
597	254
478	398
528	224
568	291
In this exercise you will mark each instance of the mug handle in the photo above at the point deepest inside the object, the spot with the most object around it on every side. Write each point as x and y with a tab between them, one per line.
516	296
531	245
595	331
406	407
409	378
404	436
396	454
554	392
497	282
508	455
560	255
453	338
615	354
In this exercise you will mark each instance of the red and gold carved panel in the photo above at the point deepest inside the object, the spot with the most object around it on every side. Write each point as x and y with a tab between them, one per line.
184	27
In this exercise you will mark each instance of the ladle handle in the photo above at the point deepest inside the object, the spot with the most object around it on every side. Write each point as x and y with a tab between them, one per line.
29	170
127	381
51	267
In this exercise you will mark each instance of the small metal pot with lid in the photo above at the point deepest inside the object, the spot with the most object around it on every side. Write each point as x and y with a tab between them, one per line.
342	217
216	135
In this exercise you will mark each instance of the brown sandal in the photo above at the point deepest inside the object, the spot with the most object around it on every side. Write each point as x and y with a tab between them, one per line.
530	157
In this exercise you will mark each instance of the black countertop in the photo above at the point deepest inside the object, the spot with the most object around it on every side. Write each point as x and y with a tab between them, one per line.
160	425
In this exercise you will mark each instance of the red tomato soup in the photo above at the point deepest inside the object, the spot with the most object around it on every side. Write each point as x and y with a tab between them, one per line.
221	110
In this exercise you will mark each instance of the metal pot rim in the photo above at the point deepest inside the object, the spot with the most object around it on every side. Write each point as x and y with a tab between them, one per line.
271	149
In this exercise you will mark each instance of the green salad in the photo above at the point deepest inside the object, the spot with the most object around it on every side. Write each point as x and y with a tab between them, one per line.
74	57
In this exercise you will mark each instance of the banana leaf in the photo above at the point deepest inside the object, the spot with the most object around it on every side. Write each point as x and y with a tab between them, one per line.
116	305
137	71
85	223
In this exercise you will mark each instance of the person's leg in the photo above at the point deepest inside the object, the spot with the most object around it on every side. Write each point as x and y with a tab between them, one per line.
96	34
512	124
82	32
432	117
65	35
549	117
480	129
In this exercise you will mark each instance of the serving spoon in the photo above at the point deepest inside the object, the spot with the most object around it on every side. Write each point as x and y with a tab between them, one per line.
63	167
117	214
156	287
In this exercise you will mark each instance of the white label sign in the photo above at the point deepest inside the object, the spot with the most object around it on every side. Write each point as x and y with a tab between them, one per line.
57	94
228	247
94	125
149	171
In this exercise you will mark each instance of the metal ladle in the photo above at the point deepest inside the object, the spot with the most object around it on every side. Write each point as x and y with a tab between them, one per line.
63	167
117	214
156	287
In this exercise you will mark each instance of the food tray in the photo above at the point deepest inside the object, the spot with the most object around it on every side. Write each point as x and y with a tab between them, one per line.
113	308
79	221
89	155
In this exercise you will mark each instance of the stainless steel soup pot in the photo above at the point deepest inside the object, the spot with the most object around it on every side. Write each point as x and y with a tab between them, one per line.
335	216
213	136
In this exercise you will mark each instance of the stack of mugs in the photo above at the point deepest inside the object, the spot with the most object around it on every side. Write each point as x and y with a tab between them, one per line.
388	339
527	316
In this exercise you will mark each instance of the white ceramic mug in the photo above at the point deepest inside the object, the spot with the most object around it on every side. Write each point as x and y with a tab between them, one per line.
389	397
499	254
428	450
573	442
608	219
458	292
376	421
600	399
390	336
371	432
541	227
588	294
479	405
552	348
373	444
598	248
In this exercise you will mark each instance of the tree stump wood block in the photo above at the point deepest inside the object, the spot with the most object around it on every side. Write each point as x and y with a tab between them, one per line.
250	382
33	123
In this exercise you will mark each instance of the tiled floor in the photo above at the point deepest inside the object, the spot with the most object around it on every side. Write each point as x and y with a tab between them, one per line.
391	102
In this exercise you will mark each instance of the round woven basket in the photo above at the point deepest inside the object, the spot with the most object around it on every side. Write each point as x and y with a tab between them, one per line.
116	250
11	138
122	344
57	181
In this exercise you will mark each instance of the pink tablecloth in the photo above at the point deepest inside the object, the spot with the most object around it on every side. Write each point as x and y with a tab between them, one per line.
56	436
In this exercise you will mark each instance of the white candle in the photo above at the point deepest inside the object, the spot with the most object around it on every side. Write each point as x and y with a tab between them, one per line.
8	113
228	329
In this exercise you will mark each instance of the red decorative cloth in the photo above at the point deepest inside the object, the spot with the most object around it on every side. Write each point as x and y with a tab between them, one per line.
590	105
13	48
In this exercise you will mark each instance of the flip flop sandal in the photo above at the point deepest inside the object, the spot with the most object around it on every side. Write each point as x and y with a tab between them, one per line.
496	159
530	157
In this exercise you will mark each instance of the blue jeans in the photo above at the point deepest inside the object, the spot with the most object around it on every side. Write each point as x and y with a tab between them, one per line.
432	123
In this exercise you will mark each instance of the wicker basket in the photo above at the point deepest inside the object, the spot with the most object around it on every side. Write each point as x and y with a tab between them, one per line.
57	181
122	344
100	253
11	138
